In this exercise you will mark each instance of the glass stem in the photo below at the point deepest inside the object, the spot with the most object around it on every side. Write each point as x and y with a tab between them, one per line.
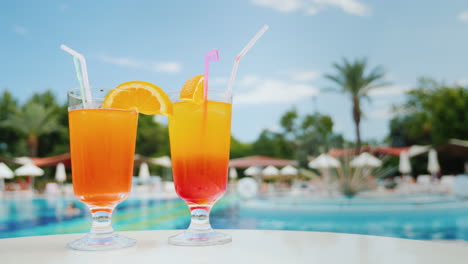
102	223
200	222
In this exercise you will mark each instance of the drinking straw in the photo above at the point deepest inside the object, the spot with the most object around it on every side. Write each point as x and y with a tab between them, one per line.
81	74
211	55
241	54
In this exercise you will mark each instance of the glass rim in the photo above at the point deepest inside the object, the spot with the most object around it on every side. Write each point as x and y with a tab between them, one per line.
213	90
217	95
79	96
170	93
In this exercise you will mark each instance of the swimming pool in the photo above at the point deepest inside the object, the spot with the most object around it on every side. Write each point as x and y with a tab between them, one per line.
427	217
415	217
46	216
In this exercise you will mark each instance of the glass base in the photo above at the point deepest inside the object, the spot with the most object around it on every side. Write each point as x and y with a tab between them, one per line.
89	243
189	238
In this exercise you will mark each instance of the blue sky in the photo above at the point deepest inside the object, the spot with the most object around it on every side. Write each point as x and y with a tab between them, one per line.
164	42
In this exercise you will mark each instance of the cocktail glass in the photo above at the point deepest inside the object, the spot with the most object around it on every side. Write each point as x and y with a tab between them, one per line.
200	135
102	147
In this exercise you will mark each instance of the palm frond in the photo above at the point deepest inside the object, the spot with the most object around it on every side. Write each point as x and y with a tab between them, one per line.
352	77
335	78
33	118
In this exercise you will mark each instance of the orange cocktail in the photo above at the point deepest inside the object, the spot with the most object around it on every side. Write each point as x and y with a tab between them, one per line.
102	148
103	128
102	145
200	136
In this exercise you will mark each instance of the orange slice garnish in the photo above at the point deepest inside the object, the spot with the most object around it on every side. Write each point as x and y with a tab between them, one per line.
193	89
143	97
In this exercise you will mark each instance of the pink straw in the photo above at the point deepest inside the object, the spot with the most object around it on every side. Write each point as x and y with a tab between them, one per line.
211	55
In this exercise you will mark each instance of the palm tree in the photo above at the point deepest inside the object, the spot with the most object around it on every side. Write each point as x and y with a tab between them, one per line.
33	121
353	79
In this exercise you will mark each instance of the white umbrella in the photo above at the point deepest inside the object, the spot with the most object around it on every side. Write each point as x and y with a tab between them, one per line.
29	170
164	161
247	187
144	173
405	165
232	173
365	160
252	171
433	164
5	172
417	150
23	160
60	173
324	161
270	171
288	170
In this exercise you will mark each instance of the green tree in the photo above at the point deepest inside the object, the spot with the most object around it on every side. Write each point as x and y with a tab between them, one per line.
291	134
56	141
310	134
9	139
47	99
289	124
432	114
152	137
240	149
354	79
272	144
316	136
32	121
8	105
409	130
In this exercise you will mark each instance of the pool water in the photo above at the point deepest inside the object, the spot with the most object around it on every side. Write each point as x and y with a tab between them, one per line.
425	217
46	216
415	217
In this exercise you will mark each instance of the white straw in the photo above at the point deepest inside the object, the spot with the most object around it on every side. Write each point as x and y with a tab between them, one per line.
84	72
241	54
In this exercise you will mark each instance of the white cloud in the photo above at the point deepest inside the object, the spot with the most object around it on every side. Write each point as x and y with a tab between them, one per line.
381	113
312	7
353	7
249	80
285	6
218	81
312	11
389	77
391	90
463	16
269	91
168	67
154	66
304	76
462	82
20	30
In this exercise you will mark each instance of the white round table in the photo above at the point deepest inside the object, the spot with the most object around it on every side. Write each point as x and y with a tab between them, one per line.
248	246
